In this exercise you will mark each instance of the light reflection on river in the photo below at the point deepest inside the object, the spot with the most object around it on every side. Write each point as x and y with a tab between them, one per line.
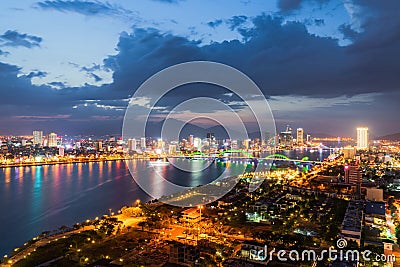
40	198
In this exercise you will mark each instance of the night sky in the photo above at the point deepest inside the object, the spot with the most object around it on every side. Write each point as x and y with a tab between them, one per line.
327	66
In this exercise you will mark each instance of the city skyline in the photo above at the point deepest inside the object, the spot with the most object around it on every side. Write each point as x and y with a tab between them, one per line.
200	133
321	64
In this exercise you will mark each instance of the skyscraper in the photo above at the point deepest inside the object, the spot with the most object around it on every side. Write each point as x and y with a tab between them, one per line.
143	143
211	138
132	144
160	144
52	140
191	140
197	143
171	149
38	137
353	176
61	151
362	138
300	136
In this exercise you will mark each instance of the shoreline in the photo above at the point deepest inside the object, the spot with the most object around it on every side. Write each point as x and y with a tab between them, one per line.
34	164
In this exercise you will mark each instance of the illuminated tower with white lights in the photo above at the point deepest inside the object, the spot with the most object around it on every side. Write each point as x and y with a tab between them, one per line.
37	138
362	138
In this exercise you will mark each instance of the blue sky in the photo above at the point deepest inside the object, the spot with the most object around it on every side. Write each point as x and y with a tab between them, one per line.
69	66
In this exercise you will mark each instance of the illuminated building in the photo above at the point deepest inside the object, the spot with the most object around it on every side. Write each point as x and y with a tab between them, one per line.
246	143
52	140
300	136
352	174
211	138
182	254
38	137
132	144
143	143
285	139
171	149
160	144
362	138
61	151
98	145
349	152
191	140
374	194
197	143
234	144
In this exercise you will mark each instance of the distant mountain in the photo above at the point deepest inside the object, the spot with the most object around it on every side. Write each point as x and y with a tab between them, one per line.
171	127
322	135
390	137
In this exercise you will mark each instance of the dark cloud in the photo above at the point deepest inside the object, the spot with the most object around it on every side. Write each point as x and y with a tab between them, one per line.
87	8
169	1
15	39
290	5
58	85
4	53
39	74
236	21
215	23
283	58
319	22
94	67
348	32
64	110
96	77
287	5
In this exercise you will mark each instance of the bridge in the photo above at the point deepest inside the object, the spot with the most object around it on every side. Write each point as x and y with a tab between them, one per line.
245	155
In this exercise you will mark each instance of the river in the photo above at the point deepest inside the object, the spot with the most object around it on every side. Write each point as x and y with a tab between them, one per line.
43	198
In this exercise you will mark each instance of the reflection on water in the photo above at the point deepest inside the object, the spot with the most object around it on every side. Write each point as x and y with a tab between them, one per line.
40	198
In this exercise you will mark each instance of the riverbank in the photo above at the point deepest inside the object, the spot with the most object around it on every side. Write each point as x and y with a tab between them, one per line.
31	164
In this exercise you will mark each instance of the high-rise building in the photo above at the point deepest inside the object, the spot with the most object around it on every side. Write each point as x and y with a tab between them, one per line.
197	143
211	138
234	144
300	136
246	143
98	145
171	149
52	140
143	143
191	140
285	139
38	137
160	144
362	138
61	151
132	144
349	152
352	174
